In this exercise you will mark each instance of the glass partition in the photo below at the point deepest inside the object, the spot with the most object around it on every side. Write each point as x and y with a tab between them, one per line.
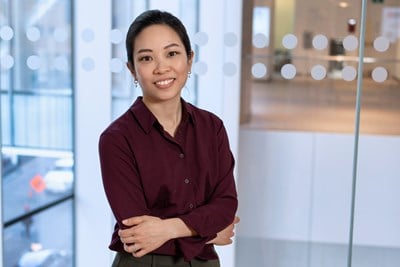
376	236
299	174
36	132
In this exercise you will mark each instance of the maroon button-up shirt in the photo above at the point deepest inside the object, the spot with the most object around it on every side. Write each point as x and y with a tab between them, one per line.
145	171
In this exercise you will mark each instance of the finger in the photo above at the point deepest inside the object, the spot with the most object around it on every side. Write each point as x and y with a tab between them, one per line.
132	248
128	240
133	221
139	253
125	233
129	248
229	234
232	234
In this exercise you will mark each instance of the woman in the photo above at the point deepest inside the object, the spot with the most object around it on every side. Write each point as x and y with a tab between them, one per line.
166	165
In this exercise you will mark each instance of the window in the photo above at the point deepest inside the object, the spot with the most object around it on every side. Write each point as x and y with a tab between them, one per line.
36	131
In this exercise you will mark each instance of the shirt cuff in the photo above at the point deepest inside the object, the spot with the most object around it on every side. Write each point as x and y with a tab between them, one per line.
192	247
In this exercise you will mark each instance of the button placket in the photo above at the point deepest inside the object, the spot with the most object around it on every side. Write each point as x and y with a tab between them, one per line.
190	205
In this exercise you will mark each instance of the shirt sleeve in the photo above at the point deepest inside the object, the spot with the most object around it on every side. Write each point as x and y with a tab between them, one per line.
122	183
120	177
220	209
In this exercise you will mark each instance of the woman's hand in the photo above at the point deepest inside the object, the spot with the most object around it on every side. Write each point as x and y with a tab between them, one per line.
143	235
147	233
225	236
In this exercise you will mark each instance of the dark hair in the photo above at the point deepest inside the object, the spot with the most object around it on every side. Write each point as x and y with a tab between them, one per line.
153	17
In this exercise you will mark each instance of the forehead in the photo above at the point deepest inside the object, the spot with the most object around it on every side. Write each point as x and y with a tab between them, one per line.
156	36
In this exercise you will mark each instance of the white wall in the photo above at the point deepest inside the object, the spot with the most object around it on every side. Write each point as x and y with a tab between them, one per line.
297	186
92	114
218	92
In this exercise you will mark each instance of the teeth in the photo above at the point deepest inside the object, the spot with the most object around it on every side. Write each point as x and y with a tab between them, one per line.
165	82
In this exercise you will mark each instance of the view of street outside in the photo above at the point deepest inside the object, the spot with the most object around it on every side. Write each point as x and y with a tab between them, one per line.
39	237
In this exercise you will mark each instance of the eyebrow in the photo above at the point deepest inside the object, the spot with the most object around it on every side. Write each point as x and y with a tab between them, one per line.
144	50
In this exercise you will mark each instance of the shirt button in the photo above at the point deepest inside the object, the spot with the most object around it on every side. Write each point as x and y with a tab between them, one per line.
187	181
191	206
181	155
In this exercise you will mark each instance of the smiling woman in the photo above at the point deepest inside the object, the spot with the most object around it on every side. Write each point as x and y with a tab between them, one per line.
169	159
160	62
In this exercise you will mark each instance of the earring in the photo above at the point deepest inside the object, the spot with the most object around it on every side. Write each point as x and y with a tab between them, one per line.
136	83
189	72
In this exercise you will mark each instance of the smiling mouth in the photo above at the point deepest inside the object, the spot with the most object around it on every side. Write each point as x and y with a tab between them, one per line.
165	82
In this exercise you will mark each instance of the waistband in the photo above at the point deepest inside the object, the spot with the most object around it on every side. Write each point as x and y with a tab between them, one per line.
153	259
123	259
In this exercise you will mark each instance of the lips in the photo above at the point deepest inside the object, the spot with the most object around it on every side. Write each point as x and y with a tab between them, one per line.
164	83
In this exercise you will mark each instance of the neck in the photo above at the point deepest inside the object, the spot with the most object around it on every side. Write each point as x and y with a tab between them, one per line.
168	114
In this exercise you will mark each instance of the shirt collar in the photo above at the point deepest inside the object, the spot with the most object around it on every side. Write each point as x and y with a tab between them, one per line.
147	120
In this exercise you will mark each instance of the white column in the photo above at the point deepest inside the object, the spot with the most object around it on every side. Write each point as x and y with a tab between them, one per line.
92	46
217	91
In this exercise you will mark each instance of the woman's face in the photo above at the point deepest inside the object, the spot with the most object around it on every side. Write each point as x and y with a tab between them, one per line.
161	64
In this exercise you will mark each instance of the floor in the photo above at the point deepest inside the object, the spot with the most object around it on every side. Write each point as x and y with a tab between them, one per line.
257	252
329	105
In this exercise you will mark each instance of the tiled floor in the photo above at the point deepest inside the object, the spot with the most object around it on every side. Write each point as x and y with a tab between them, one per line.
329	105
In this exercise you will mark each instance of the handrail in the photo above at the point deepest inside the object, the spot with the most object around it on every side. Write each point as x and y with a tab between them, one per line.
36	211
40	92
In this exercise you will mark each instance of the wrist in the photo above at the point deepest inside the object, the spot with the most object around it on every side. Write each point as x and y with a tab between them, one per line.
177	228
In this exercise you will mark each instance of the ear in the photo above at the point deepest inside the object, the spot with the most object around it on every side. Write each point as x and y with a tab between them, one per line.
190	59
131	69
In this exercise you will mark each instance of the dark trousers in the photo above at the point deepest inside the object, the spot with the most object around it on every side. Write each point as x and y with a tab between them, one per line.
151	260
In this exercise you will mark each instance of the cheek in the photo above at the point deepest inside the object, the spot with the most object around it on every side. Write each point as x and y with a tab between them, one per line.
142	73
183	67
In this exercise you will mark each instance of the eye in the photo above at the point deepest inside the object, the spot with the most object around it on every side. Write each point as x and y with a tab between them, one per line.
145	58
173	53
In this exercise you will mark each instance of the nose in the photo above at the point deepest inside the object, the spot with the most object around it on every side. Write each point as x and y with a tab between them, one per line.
161	67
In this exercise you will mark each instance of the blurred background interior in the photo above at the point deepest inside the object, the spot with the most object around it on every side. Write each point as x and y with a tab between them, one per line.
314	125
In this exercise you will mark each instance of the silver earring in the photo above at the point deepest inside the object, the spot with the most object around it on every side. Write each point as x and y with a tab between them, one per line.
189	72
136	83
